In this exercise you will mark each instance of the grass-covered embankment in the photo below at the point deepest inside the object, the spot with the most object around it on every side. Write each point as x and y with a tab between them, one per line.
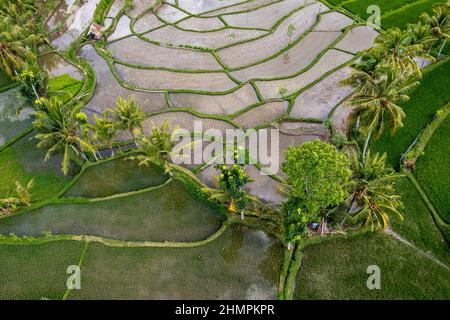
433	169
418	226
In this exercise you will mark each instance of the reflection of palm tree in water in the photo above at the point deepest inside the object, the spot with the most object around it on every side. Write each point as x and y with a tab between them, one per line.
50	61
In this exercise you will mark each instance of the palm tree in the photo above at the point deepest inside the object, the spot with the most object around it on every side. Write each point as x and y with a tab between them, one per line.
373	192
105	130
62	129
15	49
439	23
22	198
364	70
19	13
156	147
399	51
34	80
378	102
128	116
419	33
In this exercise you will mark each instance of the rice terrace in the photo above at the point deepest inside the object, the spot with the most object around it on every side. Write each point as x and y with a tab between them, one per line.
333	185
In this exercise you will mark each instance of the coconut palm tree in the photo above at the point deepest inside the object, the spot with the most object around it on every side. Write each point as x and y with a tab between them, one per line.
419	33
18	13
439	23
22	198
378	103
15	46
129	116
373	192
63	130
156	147
105	131
399	51
364	70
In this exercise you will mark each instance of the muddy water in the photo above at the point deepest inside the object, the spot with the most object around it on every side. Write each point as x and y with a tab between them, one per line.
56	66
58	15
199	6
15	115
79	18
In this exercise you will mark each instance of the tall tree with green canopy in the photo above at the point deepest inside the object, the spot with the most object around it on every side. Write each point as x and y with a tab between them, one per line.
317	175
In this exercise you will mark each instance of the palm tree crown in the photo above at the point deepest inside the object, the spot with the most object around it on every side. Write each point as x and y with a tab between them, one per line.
379	100
128	116
373	192
62	129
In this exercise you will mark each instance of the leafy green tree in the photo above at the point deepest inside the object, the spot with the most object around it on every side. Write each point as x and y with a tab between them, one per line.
129	116
61	129
296	221
364	70
20	13
317	175
232	180
373	192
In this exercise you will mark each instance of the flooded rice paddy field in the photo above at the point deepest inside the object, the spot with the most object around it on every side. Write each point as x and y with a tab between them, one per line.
227	63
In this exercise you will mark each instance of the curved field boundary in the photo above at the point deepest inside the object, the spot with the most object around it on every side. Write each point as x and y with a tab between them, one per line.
212	13
404	8
420	143
118	243
8	87
81	200
239	84
89	165
15	139
440	223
